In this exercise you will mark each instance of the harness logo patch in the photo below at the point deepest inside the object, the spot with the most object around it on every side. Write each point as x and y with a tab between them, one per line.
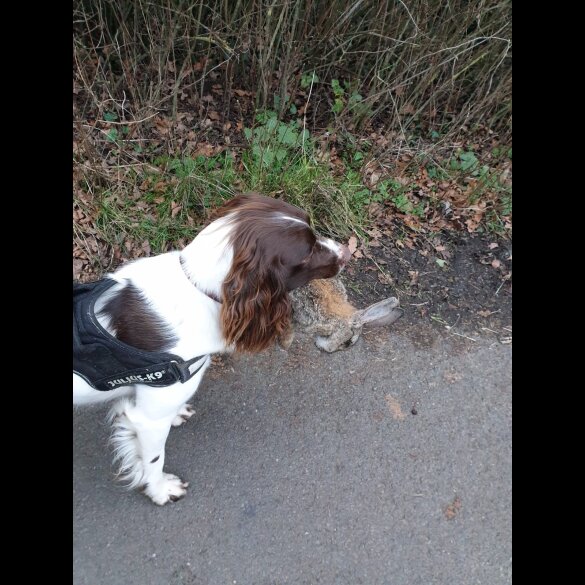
152	377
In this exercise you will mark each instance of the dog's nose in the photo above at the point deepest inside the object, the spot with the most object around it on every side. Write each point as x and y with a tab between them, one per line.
344	254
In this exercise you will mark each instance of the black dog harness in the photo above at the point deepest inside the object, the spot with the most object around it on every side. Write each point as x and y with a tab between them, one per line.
105	362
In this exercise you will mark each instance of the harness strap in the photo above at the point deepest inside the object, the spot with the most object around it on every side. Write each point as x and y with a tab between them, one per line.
163	374
106	363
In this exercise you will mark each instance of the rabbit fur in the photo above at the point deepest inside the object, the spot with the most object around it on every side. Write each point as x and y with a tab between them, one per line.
321	308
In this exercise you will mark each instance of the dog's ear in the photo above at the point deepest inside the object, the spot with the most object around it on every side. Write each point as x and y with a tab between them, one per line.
256	309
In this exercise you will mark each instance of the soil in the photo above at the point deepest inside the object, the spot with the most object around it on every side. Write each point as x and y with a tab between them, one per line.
471	293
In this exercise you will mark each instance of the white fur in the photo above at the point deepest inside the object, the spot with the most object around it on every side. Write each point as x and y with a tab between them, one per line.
142	416
293	219
333	246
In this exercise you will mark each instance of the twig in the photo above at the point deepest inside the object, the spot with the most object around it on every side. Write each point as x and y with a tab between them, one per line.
126	123
488	329
411	18
461	335
439	320
305	113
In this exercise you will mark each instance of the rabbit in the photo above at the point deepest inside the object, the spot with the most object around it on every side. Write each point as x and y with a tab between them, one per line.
321	308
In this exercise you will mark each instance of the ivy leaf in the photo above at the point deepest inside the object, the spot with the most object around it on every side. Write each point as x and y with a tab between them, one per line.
112	135
308	78
337	106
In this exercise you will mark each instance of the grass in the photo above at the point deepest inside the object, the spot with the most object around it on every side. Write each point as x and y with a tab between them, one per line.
173	195
333	94
164	203
170	200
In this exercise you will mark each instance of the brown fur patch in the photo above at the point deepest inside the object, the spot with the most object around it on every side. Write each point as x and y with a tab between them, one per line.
272	256
136	323
331	300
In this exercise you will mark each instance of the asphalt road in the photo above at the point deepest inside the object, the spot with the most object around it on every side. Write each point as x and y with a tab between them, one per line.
309	468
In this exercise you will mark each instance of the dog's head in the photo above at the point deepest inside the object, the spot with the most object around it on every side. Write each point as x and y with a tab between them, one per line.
275	250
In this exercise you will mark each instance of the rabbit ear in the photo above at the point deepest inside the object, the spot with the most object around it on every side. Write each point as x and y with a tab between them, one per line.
379	314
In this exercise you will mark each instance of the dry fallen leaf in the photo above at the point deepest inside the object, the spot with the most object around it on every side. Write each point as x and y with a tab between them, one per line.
199	65
213	115
394	407
159	186
352	244
162	125
471	225
146	247
385	278
453	508
204	149
77	268
175	209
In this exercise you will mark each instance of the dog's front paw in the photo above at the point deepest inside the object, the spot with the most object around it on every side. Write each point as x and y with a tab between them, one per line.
168	489
186	412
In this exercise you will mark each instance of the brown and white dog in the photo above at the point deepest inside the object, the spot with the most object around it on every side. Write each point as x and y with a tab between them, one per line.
226	291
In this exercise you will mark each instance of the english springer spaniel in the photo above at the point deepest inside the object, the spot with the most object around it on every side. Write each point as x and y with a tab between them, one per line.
144	334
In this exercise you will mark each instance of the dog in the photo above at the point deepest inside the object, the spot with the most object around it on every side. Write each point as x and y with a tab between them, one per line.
144	335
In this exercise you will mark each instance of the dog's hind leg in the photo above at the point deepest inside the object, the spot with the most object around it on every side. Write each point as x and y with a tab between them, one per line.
140	433
139	447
